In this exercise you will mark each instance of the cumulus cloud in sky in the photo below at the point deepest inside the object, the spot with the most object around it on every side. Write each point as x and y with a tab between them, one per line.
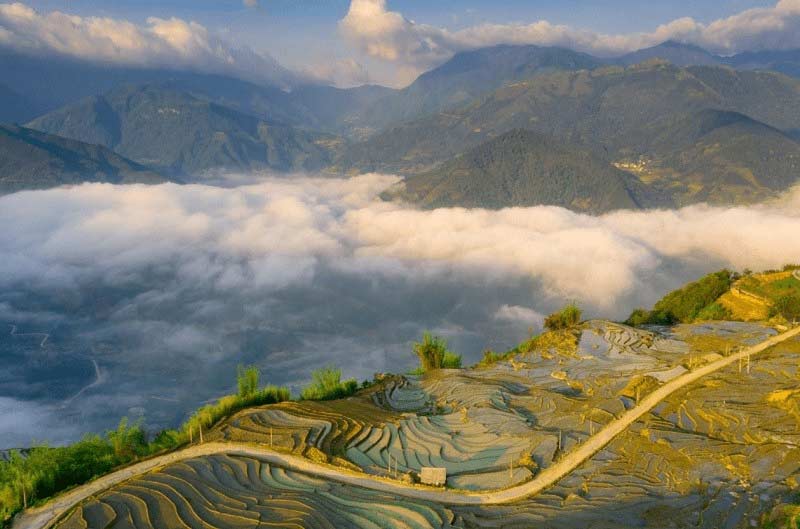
167	288
160	42
387	35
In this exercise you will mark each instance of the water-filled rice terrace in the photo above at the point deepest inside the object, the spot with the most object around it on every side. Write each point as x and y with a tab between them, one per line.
241	492
720	453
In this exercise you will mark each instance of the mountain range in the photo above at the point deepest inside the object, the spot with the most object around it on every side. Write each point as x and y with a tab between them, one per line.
180	134
493	127
646	118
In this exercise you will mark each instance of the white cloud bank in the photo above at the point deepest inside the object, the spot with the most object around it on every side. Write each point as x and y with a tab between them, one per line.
388	35
276	234
172	42
169	287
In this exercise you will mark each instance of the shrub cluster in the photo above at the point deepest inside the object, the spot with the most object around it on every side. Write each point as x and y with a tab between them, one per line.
327	384
433	354
787	306
694	301
565	318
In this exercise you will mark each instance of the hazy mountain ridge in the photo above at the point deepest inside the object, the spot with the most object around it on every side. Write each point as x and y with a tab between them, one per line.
36	160
471	74
636	116
180	133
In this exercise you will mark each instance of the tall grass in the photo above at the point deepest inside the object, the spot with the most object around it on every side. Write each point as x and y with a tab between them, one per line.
567	317
327	384
433	354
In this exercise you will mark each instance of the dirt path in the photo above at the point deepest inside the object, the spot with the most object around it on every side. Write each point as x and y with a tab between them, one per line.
46	515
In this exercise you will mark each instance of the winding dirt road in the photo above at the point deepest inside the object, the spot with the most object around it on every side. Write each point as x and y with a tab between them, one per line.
45	516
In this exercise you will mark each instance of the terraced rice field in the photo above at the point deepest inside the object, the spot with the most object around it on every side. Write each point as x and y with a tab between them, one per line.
719	454
320	430
240	492
490	428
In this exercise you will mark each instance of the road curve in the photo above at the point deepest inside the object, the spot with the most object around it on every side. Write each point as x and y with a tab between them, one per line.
45	516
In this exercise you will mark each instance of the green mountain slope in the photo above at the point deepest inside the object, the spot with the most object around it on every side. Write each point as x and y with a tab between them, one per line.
721	158
523	168
31	159
625	113
180	133
471	74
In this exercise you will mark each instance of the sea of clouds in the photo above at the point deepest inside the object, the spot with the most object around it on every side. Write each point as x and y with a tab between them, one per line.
167	288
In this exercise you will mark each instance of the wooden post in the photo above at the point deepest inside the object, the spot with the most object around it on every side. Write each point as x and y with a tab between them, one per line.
559	440
591	427
510	469
191	436
740	365
201	433
748	364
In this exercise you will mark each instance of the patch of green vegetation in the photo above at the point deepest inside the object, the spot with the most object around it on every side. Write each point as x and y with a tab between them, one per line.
45	471
327	384
433	354
713	312
247	380
787	306
687	304
209	415
786	286
490	357
567	317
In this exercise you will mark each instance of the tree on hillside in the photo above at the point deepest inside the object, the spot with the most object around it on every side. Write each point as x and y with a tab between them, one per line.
24	477
247	380
127	441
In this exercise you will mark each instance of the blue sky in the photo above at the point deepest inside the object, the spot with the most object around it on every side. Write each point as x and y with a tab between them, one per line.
305	34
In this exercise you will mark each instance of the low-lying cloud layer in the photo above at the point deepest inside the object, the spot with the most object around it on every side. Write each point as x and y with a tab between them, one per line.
168	287
385	34
172	43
